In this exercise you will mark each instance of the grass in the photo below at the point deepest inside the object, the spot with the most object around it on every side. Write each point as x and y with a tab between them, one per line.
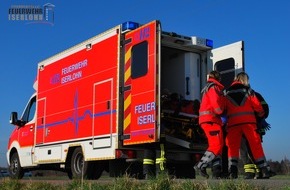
162	182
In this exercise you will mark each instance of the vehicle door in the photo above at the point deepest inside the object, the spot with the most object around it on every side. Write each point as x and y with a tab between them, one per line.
228	60
26	131
140	85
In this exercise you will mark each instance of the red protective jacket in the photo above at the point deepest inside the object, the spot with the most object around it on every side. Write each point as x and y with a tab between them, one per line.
242	104
212	103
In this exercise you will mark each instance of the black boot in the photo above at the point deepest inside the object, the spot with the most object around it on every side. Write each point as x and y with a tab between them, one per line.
249	175
233	173
265	172
216	172
217	167
201	171
203	163
149	164
250	171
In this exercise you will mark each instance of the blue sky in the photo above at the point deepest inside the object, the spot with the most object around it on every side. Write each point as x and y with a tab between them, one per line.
263	25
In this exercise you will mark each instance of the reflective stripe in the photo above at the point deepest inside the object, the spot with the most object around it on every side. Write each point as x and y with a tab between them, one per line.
207	87
210	112
236	91
206	113
148	162
245	97
241	114
248	166
250	170
235	103
218	110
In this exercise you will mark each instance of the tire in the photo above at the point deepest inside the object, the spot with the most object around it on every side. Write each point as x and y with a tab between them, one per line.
135	170
83	169
186	171
15	169
78	166
182	170
95	170
117	167
69	174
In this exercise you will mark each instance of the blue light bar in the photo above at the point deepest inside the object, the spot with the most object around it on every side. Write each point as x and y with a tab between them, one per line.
209	43
127	26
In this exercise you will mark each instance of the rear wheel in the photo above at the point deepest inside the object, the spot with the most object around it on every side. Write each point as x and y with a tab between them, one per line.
84	169
78	166
181	170
69	174
15	169
117	167
185	170
96	169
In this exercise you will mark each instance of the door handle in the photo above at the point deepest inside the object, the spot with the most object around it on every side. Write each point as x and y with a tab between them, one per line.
47	131
108	105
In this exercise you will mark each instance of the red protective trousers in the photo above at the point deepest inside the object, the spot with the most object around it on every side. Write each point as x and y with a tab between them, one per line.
214	134
234	137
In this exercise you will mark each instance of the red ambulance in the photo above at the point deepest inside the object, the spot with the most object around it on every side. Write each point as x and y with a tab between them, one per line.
99	104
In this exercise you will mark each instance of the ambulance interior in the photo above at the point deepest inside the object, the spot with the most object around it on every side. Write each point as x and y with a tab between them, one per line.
183	65
180	73
181	84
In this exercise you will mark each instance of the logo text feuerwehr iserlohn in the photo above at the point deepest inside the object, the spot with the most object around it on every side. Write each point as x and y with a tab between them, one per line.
32	13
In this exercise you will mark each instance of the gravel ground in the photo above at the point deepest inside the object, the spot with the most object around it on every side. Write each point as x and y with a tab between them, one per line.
265	184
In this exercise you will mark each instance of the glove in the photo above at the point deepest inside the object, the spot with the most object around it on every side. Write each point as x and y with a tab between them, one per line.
265	125
261	131
224	120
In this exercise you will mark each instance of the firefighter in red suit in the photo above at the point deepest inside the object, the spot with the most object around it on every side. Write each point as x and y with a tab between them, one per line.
211	108
241	107
251	170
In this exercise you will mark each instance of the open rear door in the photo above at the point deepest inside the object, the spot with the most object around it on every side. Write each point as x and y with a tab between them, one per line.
140	85
228	60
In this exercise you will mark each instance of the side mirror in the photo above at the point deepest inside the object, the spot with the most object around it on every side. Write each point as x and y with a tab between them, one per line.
14	118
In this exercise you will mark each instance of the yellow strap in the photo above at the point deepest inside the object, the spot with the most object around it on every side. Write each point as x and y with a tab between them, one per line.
162	158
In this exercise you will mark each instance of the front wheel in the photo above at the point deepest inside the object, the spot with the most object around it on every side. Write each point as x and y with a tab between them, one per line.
15	169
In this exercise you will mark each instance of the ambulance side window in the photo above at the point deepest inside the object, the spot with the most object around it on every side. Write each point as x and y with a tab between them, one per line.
227	69
139	60
29	111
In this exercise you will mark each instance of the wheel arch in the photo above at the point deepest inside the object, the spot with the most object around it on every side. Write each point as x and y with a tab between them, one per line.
69	156
11	152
